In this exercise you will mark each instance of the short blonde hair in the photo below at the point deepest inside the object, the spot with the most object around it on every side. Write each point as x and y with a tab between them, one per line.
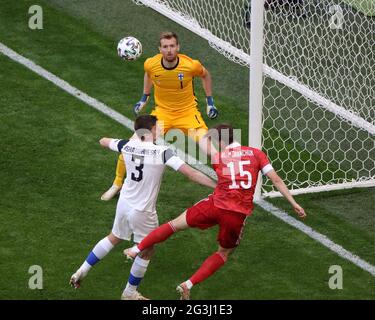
168	35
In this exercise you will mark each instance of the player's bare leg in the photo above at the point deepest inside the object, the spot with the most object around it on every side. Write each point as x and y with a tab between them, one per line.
117	183
180	222
100	250
208	268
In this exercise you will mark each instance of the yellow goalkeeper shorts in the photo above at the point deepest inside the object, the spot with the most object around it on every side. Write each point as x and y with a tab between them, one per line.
185	122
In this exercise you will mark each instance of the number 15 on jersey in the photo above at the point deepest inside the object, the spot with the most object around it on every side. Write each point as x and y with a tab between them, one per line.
243	173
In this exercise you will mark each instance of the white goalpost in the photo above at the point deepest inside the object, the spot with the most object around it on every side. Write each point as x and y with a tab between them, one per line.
312	84
256	83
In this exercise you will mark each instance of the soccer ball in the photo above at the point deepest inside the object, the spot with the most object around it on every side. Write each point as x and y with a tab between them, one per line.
129	48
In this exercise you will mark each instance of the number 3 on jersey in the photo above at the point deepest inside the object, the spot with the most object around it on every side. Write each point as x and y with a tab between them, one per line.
139	167
243	173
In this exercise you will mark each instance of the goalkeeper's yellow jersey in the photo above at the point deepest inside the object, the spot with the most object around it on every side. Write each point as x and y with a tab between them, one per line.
173	87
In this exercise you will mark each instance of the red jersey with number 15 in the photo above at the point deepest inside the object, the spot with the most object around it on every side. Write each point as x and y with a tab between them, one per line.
237	168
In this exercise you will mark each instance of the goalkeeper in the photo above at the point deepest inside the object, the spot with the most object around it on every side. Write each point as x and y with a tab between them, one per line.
176	107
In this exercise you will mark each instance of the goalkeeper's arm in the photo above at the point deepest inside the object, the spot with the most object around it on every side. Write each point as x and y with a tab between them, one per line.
207	146
147	86
212	111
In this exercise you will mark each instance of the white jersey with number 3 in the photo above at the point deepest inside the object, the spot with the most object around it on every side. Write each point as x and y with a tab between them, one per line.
145	163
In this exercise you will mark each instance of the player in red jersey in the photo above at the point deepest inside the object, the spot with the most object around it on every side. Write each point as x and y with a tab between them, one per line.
237	168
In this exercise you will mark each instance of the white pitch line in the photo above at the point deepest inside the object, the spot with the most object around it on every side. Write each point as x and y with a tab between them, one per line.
67	87
207	170
324	240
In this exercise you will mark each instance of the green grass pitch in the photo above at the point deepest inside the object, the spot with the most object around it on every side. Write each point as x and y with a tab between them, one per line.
367	7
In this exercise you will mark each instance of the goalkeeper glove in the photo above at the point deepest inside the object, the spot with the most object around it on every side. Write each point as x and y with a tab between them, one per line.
212	112
140	104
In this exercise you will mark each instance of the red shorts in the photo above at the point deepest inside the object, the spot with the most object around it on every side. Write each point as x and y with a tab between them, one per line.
204	215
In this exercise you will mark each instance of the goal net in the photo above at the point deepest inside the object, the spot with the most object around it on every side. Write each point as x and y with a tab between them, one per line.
318	82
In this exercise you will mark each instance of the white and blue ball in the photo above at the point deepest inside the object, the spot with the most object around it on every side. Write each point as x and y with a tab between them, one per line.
129	48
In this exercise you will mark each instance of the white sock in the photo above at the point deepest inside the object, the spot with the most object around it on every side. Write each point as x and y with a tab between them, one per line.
84	268
99	252
102	248
137	273
130	289
135	249
189	284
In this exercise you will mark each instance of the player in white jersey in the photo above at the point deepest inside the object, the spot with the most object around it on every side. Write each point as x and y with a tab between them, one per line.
145	162
136	207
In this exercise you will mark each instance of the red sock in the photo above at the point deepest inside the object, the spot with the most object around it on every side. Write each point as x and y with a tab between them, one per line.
160	234
209	267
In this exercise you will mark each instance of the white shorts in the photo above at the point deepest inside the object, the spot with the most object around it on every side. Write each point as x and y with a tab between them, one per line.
129	221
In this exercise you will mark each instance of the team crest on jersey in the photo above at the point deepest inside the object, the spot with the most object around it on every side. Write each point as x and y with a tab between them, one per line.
180	76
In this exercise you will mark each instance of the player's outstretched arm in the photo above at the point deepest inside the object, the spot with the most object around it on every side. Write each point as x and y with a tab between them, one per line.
197	176
113	144
212	111
104	142
147	86
206	145
280	185
207	82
